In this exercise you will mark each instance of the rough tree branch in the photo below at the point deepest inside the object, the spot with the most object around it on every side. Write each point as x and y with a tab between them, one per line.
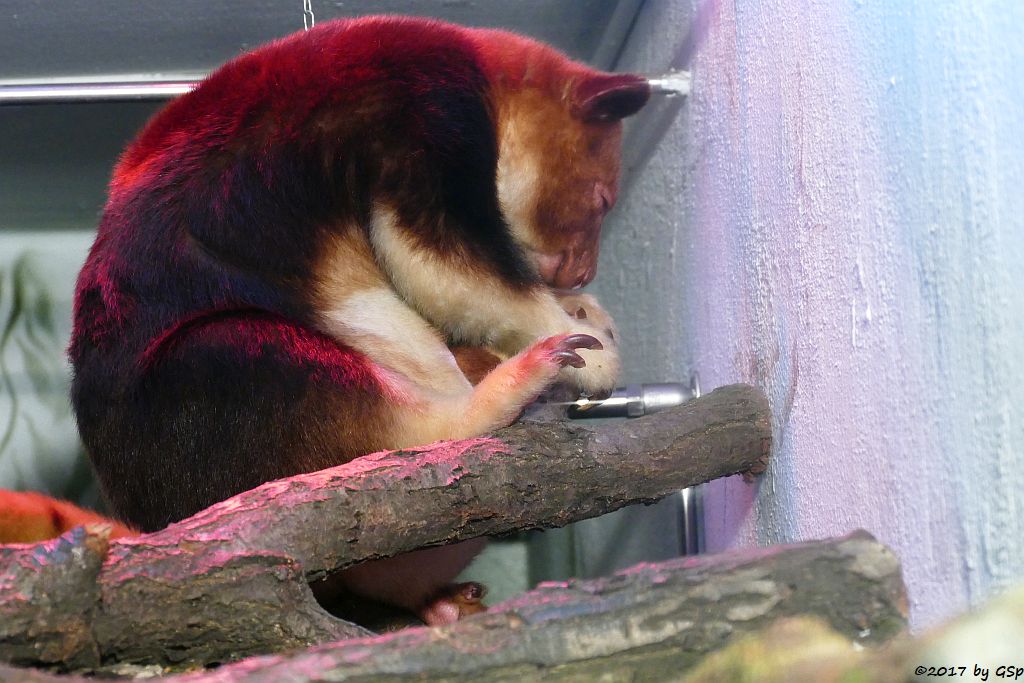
231	581
651	622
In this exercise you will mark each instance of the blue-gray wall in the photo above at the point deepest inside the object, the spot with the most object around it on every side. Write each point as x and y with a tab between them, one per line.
839	218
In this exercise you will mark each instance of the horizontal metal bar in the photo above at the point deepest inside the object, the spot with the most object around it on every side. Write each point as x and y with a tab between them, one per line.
106	91
114	90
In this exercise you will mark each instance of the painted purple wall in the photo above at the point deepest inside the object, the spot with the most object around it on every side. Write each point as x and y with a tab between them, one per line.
838	217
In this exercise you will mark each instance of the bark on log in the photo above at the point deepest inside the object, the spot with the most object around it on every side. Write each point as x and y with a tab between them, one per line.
651	622
48	599
231	581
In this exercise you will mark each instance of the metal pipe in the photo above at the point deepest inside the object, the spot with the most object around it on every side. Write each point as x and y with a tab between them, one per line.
691	541
635	400
120	89
93	91
671	84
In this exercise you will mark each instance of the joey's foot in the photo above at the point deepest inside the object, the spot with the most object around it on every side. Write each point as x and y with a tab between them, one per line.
453	603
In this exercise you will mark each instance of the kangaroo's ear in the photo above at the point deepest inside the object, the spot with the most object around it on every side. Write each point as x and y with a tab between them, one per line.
610	97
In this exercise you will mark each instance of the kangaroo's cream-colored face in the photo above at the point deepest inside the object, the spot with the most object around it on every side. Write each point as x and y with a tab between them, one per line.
557	179
558	175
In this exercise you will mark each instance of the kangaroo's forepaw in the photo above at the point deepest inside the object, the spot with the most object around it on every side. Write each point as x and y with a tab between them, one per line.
454	602
599	372
564	349
585	307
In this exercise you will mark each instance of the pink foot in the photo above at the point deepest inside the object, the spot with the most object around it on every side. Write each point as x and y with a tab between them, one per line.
453	603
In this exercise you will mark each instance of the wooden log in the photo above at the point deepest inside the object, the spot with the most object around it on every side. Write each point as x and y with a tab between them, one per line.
48	599
530	475
231	581
651	622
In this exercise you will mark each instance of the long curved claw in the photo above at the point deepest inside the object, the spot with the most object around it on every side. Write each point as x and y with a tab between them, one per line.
582	341
566	357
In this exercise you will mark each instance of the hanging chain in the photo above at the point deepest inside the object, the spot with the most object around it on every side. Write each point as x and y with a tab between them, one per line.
308	20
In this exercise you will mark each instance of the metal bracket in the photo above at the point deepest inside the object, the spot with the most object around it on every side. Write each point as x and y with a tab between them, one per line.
671	84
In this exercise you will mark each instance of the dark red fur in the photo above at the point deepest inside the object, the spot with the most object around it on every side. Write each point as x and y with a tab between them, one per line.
199	367
249	333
